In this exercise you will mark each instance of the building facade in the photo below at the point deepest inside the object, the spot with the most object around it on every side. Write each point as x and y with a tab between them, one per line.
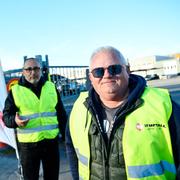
160	65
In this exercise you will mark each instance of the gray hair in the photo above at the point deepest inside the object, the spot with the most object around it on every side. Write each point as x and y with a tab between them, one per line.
32	59
112	50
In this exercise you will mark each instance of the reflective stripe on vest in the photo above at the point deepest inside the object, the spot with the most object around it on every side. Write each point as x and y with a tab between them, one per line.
37	129
37	115
83	159
138	165
151	170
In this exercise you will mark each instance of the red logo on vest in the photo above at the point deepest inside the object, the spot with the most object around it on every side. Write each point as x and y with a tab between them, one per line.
139	127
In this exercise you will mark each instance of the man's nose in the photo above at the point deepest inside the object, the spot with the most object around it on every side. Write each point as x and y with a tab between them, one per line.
106	73
33	71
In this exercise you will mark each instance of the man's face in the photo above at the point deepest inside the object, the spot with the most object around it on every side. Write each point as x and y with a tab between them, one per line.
31	71
111	86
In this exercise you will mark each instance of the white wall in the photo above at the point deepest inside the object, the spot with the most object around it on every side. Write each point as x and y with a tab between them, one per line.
170	67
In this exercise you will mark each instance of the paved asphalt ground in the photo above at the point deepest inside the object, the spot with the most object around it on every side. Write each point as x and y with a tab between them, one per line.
9	165
9	162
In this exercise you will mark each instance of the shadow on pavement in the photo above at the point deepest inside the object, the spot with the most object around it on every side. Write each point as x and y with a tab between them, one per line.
9	164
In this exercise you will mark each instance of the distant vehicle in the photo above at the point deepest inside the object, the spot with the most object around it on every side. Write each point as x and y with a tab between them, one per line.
151	77
68	88
168	76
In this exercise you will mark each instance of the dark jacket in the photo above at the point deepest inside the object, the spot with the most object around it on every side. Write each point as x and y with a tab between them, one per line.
10	108
136	86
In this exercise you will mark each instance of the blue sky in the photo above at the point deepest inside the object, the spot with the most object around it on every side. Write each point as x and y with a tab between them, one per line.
69	30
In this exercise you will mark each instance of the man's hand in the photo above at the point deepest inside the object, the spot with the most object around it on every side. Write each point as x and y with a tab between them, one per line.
20	122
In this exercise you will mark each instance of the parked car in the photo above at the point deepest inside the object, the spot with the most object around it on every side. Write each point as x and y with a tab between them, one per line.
151	77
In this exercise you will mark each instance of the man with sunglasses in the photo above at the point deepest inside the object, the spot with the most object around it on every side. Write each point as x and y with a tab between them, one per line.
122	129
34	108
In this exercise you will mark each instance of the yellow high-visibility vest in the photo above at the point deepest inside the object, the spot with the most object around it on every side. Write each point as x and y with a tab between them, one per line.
43	123
146	140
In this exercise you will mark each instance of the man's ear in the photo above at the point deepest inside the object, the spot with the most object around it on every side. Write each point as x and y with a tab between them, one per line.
89	82
90	76
23	72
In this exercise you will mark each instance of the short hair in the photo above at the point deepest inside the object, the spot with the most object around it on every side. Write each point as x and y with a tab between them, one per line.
112	50
32	59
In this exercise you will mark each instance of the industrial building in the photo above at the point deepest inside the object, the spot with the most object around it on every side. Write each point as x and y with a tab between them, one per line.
163	66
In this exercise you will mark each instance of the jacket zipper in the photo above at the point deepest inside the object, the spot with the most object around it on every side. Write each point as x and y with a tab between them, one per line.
105	159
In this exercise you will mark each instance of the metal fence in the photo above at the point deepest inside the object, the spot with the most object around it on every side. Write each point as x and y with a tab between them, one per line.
69	80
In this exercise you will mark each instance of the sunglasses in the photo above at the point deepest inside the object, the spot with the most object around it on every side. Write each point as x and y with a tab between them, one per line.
112	70
30	69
